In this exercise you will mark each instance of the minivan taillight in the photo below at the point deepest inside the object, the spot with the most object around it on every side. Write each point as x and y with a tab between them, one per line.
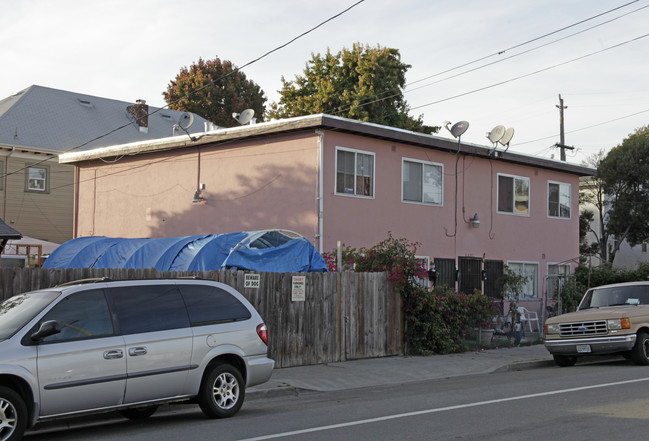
262	332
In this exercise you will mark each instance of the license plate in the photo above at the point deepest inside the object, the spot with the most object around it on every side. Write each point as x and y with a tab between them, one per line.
583	349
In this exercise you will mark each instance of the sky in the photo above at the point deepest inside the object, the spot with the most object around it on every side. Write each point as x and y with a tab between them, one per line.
531	52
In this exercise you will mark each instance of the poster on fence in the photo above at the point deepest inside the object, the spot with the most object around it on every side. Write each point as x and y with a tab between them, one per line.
298	290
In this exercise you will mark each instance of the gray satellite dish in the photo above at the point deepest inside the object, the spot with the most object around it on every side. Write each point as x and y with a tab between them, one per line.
186	120
509	133
244	117
496	134
459	128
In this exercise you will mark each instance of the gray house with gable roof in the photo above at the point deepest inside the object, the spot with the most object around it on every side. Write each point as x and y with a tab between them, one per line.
39	123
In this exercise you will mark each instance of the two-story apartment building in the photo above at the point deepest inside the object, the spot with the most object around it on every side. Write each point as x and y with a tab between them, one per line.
472	209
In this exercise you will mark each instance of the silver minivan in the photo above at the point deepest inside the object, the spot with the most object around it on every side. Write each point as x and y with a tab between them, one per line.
129	346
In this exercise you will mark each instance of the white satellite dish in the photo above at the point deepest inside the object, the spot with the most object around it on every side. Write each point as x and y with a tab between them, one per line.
496	134
186	120
509	133
244	117
459	128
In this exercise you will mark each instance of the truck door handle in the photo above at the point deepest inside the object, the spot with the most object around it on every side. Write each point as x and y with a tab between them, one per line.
140	350
115	353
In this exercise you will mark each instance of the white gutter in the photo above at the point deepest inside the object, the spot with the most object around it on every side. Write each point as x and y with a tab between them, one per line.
320	190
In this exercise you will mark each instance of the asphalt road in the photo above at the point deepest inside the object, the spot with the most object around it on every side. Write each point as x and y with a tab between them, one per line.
600	401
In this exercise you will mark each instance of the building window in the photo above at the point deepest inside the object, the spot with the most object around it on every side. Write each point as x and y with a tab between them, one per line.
424	262
559	200
513	194
422	182
354	172
37	179
530	289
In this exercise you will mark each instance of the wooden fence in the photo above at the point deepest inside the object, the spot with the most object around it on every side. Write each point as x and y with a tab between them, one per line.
343	316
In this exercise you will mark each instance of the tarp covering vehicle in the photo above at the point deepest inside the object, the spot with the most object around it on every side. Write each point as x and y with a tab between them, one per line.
267	250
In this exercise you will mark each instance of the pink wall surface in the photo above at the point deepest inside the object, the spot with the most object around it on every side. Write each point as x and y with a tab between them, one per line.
248	186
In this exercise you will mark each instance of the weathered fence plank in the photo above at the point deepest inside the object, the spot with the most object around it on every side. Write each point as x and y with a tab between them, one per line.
343	316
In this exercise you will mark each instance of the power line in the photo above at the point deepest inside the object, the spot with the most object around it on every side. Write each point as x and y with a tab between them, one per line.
500	83
389	96
585	128
201	88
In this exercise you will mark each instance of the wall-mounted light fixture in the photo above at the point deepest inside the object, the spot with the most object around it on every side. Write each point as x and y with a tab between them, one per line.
475	222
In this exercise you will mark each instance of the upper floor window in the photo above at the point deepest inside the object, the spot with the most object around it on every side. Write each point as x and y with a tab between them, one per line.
36	179
559	200
354	172
422	182
513	194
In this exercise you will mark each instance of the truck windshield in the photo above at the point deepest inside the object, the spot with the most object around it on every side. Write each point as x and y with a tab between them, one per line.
17	311
616	295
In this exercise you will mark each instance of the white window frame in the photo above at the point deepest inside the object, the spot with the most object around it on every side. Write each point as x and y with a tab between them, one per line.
561	185
529	198
423	167
29	181
356	175
532	285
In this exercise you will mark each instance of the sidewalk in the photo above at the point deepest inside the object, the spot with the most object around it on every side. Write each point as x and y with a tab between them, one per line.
397	370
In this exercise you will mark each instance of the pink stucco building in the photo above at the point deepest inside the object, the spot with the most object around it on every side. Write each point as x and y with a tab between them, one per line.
333	179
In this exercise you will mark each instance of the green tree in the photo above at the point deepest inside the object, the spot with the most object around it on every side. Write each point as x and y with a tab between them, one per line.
363	83
624	176
214	89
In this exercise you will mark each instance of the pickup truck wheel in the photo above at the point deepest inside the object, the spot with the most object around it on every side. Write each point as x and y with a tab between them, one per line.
564	360
13	415
222	391
640	352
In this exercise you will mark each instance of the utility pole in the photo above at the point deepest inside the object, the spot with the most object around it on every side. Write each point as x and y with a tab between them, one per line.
562	141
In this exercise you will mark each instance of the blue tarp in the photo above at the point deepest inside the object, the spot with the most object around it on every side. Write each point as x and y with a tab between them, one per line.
269	251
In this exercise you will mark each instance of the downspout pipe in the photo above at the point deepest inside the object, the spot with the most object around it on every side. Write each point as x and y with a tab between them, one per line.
320	233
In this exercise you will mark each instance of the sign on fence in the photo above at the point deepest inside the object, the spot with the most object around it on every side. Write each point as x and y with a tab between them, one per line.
251	281
298	291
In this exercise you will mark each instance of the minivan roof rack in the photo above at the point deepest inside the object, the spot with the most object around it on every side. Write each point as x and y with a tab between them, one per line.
84	281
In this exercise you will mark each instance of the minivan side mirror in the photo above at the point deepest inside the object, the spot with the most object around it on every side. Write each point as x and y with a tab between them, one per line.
47	328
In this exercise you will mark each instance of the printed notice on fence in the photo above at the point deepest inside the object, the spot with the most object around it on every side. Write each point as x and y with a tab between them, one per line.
299	288
251	281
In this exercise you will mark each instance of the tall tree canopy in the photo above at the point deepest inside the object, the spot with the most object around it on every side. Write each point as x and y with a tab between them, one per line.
214	89
363	83
622	194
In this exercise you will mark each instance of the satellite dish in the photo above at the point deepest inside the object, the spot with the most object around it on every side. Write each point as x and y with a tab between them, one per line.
509	133
459	128
186	120
244	117
496	134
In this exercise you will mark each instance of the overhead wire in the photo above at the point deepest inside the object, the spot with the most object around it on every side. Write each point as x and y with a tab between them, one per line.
388	96
191	92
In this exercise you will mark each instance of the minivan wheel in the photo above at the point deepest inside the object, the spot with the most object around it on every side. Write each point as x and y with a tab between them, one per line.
640	352
13	415
564	360
138	413
222	392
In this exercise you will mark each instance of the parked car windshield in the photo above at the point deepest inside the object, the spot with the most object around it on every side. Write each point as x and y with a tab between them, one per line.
16	311
616	295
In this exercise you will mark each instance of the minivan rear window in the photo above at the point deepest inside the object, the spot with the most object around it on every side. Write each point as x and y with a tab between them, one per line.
209	304
148	308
